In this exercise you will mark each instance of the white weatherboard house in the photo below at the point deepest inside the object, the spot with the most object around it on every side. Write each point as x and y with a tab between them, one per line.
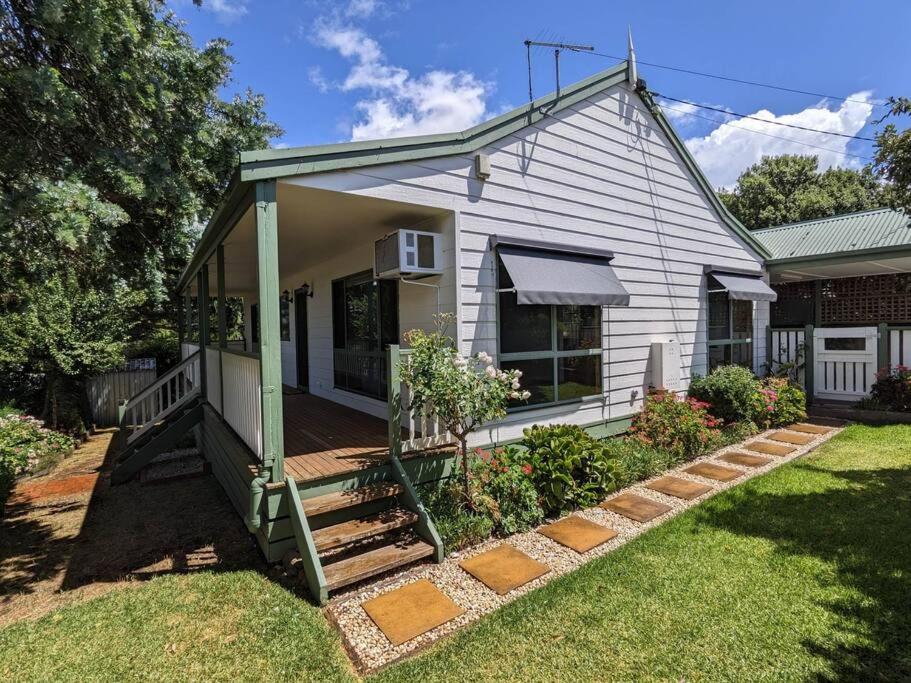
573	238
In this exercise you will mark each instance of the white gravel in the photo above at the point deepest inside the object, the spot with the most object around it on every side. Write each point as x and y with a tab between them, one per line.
370	649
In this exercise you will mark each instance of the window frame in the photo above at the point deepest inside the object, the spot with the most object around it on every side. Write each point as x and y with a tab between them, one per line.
554	354
731	340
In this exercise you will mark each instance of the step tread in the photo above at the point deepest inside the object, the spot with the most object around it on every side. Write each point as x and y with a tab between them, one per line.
377	561
365	527
340	500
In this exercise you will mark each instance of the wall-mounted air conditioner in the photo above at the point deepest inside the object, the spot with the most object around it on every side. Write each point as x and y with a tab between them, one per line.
408	253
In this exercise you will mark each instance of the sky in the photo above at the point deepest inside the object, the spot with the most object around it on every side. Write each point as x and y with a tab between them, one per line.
368	69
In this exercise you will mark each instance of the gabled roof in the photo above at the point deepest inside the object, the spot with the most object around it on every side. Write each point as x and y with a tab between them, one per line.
269	164
876	231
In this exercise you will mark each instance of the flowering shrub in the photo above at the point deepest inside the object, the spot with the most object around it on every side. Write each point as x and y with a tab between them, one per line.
892	388
502	484
683	427
784	403
463	392
26	446
570	467
731	391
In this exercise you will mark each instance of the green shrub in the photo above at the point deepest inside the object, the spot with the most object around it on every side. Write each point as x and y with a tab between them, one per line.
737	431
730	390
636	460
893	388
504	487
570	468
683	427
457	523
26	447
789	402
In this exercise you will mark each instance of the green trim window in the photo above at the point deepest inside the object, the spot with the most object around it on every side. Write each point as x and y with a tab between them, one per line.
730	333
557	348
284	318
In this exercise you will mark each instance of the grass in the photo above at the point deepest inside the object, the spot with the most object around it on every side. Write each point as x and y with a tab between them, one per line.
804	573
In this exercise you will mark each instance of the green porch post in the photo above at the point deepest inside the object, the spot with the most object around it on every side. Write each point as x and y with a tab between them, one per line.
270	362
809	362
181	323
817	303
202	308
394	401
882	347
188	313
221	305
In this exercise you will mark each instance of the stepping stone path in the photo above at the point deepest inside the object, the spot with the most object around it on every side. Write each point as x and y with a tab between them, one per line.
745	459
716	472
791	437
809	429
410	611
679	488
770	448
504	568
577	533
635	507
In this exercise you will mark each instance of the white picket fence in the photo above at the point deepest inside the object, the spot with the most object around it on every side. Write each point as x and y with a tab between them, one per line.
900	346
242	406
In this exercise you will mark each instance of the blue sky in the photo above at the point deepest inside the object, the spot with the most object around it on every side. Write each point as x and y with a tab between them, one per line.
361	69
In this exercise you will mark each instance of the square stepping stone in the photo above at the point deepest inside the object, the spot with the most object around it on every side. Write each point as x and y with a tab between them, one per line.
411	610
770	448
745	459
808	428
635	507
577	533
716	472
679	488
504	568
791	437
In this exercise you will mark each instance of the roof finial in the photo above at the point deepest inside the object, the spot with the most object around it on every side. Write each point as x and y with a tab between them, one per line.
631	57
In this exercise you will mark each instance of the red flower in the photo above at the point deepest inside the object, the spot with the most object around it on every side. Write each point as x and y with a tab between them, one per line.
527	469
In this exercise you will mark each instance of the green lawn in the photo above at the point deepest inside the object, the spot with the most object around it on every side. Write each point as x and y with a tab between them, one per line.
804	573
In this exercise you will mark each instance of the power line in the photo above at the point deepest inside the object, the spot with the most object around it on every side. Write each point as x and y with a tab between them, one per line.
769	135
756	118
742	81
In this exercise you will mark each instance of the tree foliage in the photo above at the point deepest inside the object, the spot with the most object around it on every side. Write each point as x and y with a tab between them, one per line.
790	188
892	162
114	146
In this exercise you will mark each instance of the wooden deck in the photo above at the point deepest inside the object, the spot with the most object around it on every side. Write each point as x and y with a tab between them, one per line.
324	439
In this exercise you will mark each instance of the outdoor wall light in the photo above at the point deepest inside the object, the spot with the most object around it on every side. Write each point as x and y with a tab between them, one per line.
307	290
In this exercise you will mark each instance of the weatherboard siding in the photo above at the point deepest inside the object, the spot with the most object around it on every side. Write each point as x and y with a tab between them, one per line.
598	174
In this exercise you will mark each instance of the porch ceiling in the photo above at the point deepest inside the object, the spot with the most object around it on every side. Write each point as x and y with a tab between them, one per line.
313	225
823	270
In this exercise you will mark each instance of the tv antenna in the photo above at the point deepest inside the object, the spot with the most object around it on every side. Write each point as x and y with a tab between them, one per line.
557	48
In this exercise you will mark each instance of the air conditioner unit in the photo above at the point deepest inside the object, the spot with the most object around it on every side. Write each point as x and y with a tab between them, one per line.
408	253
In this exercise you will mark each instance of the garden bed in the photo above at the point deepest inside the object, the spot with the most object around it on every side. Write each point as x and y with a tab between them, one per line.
369	647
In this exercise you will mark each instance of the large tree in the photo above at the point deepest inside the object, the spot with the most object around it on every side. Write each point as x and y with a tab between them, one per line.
790	188
114	146
893	154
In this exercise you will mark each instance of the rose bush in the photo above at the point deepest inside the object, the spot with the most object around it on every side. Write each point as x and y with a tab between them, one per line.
892	388
26	446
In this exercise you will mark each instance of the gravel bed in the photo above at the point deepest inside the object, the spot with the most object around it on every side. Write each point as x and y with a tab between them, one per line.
370	649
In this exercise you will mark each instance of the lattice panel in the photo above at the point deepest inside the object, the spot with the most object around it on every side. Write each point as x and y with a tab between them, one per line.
795	304
867	300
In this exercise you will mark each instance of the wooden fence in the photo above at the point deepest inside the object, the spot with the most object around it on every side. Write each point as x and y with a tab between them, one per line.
106	391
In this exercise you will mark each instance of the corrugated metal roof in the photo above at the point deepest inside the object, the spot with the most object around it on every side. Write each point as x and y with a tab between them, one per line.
850	232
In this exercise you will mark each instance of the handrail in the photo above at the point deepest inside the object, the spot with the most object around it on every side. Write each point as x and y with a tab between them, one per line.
425	430
161	398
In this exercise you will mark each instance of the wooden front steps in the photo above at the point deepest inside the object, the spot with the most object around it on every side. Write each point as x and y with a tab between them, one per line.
376	561
351	535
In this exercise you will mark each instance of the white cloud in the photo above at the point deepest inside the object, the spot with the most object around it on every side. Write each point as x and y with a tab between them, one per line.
397	103
226	10
361	9
728	150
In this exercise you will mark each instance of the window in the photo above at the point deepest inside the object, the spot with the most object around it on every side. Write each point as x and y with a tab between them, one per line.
284	318
365	319
557	348
730	328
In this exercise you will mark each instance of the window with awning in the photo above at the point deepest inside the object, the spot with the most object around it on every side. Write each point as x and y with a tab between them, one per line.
549	318
730	316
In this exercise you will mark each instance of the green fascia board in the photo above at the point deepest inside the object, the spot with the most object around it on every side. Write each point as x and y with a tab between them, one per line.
703	182
838	258
275	163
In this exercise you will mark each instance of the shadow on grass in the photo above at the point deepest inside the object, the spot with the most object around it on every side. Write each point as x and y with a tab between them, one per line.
861	527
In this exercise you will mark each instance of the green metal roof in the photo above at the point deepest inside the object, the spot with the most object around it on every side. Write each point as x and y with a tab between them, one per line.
270	164
876	231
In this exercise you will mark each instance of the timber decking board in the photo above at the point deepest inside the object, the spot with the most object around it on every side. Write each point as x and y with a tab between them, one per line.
358	529
330	502
382	559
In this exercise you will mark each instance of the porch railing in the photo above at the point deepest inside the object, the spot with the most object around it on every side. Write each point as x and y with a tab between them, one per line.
421	424
213	377
242	397
165	396
363	372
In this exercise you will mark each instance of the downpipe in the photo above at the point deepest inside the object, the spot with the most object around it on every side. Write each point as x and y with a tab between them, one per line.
257	488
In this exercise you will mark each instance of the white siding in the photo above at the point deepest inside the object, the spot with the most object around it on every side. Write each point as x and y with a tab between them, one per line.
599	174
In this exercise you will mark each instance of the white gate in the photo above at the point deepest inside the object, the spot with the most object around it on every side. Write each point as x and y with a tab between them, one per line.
845	359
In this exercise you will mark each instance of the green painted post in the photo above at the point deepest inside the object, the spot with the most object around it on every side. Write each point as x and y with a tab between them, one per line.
817	303
768	348
181	323
188	313
270	361
809	362
882	347
394	398
202	307
222	319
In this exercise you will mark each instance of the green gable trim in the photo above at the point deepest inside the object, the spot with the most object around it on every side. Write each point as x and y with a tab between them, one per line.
276	163
726	216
